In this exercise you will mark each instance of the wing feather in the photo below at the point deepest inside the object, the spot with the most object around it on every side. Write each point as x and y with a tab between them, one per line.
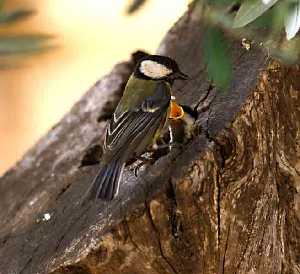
137	122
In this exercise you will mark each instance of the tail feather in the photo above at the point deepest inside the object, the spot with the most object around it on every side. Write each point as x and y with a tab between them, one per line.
106	184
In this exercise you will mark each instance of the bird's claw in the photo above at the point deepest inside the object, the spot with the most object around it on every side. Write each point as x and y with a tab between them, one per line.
143	161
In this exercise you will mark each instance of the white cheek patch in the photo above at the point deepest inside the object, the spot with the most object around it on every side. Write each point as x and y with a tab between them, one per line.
154	70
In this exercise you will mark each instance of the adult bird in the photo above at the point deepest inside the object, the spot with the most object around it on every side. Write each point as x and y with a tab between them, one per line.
137	121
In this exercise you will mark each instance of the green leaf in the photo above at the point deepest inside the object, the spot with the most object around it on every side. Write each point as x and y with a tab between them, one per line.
280	10
216	58
292	20
14	16
18	44
135	5
220	2
250	10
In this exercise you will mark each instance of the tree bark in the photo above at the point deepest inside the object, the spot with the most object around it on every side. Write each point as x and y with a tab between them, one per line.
227	202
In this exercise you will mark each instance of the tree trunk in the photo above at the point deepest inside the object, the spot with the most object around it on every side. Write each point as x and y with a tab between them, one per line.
227	202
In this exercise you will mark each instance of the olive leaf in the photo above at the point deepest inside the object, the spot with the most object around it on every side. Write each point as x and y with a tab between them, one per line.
266	2
14	16
16	44
292	20
250	10
135	5
216	57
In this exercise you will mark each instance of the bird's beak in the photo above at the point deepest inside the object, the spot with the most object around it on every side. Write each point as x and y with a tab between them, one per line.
180	75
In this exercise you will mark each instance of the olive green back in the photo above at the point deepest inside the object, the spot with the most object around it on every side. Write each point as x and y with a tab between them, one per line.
135	93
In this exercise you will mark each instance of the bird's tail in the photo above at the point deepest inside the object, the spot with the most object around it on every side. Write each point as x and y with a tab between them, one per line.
106	184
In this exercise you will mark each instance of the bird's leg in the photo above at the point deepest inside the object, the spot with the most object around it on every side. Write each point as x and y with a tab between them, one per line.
163	142
159	148
136	168
173	142
171	137
166	145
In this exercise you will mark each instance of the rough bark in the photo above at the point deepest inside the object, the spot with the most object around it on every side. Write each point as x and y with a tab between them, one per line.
227	202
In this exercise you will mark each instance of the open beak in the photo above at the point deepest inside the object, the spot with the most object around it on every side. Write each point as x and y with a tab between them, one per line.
176	111
180	75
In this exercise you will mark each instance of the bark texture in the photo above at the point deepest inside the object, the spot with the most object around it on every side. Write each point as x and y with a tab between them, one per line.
227	202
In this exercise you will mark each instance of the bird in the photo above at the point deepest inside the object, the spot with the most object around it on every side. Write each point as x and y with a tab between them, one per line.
137	120
182	119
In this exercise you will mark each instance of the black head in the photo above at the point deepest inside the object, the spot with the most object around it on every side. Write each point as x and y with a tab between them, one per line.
157	67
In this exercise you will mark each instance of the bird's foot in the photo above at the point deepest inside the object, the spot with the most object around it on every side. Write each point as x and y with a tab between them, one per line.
145	159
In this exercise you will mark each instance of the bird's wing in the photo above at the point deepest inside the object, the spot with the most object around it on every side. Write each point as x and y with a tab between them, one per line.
138	121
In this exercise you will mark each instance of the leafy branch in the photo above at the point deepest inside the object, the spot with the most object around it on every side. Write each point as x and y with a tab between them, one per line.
253	22
259	22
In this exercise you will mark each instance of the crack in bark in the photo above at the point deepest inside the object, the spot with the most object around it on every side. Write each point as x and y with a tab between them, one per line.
127	231
218	189
210	88
222	270
67	231
28	262
206	106
129	234
63	190
175	223
241	55
206	130
149	215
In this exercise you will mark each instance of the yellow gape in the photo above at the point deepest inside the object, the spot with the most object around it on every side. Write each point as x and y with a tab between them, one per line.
176	111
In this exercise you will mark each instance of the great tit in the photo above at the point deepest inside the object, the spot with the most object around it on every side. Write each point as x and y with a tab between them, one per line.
140	115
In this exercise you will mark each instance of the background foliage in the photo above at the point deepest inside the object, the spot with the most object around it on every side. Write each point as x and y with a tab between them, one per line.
270	24
13	46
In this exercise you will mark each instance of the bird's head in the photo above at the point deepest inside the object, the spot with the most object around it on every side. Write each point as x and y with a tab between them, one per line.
157	67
